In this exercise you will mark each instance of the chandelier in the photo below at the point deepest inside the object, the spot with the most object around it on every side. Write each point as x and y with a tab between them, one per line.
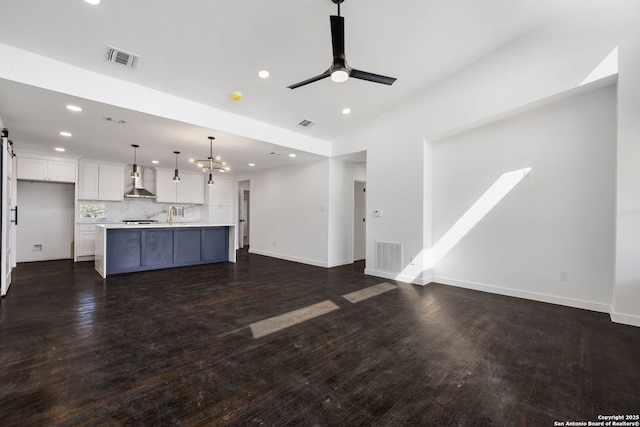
212	163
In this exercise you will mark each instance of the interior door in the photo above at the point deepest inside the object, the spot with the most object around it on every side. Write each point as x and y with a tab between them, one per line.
6	255
359	218
245	223
9	222
241	218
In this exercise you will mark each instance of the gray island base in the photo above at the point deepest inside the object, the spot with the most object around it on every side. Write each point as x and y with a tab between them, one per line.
122	248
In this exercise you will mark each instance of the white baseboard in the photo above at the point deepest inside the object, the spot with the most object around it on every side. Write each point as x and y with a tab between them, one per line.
289	258
553	299
339	262
398	277
626	319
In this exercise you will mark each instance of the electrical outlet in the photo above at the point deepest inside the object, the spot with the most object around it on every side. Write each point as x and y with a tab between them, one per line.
37	248
564	276
274	243
412	261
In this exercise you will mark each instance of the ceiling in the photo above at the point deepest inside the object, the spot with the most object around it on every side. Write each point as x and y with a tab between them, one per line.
204	50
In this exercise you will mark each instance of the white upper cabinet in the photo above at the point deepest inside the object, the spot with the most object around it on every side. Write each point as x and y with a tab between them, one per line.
189	190
220	194
110	182
165	187
100	181
43	169
220	201
87	181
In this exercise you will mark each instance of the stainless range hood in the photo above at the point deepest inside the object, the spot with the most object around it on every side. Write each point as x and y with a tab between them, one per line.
138	191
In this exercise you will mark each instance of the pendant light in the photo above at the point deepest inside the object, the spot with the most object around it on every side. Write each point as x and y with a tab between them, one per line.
176	177
214	163
134	172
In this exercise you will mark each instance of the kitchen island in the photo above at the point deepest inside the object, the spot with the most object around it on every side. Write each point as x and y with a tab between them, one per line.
125	248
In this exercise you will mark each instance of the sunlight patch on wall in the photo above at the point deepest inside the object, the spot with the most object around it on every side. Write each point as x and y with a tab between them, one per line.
606	68
498	190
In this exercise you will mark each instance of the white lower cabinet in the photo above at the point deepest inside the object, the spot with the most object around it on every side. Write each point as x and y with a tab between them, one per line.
86	240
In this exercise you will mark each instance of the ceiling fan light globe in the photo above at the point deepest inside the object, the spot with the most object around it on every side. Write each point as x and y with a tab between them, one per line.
340	75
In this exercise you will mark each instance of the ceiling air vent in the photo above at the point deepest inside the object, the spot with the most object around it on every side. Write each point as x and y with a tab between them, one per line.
306	123
122	57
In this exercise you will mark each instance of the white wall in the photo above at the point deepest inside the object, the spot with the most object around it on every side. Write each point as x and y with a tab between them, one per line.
395	186
561	219
550	60
289	213
45	218
627	291
545	64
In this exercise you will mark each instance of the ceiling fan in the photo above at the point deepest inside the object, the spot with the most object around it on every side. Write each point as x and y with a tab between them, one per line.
340	70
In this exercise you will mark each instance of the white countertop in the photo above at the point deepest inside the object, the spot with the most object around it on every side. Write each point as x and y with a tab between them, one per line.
164	225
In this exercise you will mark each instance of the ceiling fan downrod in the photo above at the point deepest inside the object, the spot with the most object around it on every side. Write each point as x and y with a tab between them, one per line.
338	2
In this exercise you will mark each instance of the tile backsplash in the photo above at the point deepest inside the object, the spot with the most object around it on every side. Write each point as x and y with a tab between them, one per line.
144	209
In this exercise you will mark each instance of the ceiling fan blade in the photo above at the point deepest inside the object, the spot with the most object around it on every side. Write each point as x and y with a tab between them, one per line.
337	40
376	78
311	80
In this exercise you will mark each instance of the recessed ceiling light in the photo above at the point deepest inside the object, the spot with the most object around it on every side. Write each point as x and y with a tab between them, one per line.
155	162
74	108
67	134
60	149
93	2
263	74
252	164
346	111
292	155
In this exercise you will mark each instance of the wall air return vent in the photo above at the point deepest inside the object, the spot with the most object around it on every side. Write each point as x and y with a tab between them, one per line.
305	123
119	56
389	257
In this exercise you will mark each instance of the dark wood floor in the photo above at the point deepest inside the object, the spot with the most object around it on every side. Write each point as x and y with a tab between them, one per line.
173	347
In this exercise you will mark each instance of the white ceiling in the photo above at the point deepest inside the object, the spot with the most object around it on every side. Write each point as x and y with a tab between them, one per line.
204	50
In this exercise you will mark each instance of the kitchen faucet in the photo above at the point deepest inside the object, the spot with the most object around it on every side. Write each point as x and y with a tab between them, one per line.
172	210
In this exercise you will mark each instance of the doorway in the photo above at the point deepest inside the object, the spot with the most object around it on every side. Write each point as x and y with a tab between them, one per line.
45	230
359	220
244	213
